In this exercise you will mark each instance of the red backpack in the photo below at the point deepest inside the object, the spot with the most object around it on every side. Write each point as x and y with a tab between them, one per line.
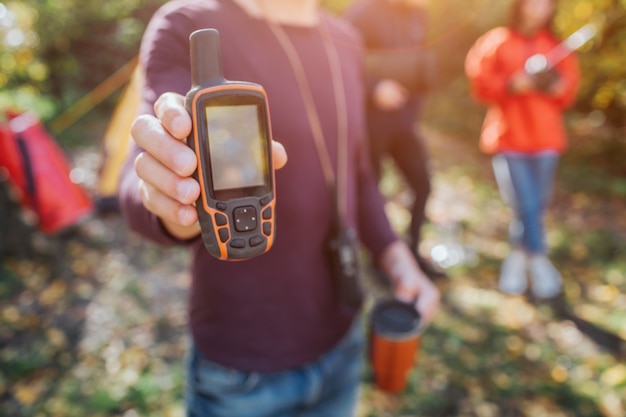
40	173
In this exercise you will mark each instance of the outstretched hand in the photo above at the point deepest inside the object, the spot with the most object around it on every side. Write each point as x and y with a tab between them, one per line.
166	164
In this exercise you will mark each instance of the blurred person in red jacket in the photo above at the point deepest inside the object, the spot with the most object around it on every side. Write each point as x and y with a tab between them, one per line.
524	130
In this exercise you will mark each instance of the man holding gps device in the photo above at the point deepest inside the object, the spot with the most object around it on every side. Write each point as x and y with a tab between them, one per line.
271	334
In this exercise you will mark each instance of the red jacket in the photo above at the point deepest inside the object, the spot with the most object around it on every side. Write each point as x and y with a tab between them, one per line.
528	122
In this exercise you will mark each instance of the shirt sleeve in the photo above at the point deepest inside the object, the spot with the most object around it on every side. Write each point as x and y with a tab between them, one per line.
374	227
487	81
569	71
164	58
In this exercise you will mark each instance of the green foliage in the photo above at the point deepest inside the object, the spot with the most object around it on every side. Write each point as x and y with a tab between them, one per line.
48	67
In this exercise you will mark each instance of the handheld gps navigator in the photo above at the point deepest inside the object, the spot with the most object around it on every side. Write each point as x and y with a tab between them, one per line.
231	136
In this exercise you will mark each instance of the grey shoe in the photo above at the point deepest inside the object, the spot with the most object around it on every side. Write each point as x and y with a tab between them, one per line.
513	273
544	277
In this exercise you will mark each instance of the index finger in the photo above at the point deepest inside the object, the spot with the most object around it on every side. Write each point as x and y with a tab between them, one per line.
152	136
170	110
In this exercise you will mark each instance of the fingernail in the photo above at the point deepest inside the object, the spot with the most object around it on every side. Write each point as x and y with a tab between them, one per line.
175	124
185	188
183	161
184	215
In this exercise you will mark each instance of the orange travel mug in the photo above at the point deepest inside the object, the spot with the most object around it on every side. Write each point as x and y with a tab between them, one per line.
395	336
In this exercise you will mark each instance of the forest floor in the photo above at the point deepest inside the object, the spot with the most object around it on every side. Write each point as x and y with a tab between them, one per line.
92	322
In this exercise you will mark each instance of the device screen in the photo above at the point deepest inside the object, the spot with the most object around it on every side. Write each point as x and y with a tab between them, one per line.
237	148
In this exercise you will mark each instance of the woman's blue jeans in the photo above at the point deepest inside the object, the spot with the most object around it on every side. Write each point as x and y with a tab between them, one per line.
525	182
328	387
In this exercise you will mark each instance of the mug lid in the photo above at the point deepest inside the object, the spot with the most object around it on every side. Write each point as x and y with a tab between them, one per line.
394	318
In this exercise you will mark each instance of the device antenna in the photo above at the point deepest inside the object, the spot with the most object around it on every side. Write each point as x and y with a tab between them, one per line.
206	57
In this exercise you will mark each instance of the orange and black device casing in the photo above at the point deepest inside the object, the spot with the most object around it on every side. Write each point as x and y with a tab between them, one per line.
236	223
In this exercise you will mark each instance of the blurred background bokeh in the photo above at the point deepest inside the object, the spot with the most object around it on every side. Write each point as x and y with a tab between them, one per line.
54	53
92	321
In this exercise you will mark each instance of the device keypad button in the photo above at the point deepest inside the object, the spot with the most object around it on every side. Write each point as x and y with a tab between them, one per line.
267	228
238	243
220	219
256	240
264	201
223	232
245	218
267	213
220	205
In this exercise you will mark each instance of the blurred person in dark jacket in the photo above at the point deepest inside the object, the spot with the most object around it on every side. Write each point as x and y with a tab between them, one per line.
400	71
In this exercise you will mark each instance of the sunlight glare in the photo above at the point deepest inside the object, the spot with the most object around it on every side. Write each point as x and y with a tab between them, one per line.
14	38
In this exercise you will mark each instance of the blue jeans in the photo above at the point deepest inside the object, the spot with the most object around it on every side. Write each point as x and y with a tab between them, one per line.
328	387
525	182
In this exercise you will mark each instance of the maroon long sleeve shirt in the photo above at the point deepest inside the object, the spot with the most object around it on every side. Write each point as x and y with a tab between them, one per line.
278	310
